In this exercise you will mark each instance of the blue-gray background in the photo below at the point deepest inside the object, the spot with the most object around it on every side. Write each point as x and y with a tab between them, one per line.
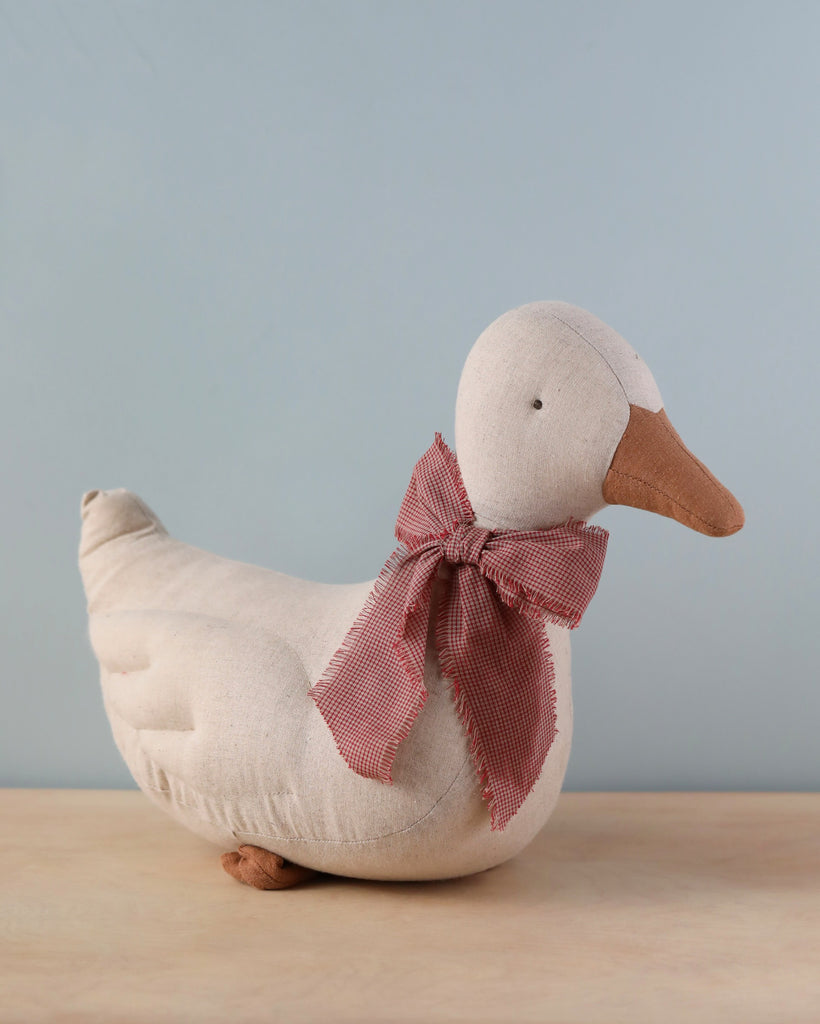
247	246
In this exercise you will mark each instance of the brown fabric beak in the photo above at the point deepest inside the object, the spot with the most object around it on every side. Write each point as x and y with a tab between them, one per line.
653	469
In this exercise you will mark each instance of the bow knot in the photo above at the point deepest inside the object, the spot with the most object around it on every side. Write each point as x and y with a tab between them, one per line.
464	544
489	635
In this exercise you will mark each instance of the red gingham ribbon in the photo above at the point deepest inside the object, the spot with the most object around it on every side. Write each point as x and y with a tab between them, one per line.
489	634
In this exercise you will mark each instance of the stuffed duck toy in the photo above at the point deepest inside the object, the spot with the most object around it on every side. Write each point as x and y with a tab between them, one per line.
418	726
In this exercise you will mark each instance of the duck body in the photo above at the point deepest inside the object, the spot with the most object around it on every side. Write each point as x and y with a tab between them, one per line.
206	665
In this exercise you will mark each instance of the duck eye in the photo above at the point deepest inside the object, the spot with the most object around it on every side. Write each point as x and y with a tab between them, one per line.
537	403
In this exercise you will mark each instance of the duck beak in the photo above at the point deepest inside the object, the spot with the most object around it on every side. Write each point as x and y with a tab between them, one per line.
653	469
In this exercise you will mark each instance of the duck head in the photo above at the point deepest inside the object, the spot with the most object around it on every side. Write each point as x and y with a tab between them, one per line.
557	416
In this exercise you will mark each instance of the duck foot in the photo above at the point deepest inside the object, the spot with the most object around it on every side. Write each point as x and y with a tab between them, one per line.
263	869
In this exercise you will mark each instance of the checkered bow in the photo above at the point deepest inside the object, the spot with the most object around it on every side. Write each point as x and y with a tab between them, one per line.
489	635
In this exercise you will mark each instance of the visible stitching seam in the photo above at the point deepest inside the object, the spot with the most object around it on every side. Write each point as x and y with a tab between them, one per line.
594	349
180	803
358	842
667	427
296	839
666	494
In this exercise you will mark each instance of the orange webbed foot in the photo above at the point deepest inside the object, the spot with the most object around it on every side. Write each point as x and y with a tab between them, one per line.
262	869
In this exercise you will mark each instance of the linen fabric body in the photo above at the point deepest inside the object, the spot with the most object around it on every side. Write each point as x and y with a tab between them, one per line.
205	666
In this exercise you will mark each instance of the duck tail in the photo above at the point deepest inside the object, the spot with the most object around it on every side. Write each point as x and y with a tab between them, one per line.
109	515
111	520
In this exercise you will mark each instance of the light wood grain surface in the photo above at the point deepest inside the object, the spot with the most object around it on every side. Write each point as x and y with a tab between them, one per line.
627	908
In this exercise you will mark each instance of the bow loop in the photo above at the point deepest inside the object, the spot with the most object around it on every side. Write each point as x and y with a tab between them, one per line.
489	632
435	500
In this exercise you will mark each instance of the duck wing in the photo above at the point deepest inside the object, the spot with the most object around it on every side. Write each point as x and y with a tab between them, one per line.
210	715
206	665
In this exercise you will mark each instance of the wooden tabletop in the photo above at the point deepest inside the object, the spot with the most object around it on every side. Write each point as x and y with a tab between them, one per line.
629	907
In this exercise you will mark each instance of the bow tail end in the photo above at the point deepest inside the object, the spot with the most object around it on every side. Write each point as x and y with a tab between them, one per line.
367	713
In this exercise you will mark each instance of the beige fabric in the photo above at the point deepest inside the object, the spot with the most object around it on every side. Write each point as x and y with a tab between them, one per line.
528	468
627	366
206	662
